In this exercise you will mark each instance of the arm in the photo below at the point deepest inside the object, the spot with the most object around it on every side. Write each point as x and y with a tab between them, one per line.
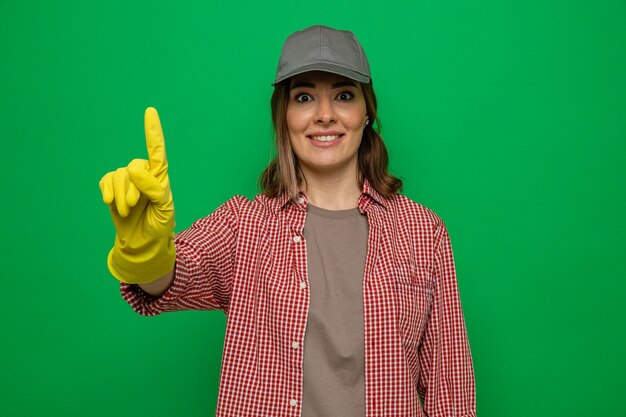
203	271
446	381
158	287
158	270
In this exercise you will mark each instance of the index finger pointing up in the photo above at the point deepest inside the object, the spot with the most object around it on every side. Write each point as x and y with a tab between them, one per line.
155	142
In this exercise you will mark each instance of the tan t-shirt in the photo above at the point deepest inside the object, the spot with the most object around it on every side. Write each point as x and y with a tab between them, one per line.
334	361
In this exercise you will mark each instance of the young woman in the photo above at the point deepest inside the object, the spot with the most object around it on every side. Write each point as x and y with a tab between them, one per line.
340	293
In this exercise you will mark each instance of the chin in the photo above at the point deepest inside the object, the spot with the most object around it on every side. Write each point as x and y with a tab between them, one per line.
326	165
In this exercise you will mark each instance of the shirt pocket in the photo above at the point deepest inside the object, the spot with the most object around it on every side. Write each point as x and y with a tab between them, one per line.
414	295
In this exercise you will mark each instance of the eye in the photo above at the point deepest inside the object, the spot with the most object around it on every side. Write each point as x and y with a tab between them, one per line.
345	96
303	98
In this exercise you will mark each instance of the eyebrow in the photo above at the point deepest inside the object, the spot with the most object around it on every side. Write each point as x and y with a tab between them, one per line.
335	85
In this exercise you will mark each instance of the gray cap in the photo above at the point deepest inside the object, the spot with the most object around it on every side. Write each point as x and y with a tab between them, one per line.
324	49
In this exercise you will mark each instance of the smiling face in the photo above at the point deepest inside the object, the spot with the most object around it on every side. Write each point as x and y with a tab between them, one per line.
326	115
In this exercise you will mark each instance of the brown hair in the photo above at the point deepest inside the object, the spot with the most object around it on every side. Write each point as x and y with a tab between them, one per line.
283	174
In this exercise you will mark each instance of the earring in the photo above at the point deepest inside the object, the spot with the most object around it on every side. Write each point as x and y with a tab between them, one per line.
367	121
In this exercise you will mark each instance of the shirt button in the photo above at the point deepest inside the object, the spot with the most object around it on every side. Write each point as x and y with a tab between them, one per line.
296	239
295	345
300	200
293	403
302	284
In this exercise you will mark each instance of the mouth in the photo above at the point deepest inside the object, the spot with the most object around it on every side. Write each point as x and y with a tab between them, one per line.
325	138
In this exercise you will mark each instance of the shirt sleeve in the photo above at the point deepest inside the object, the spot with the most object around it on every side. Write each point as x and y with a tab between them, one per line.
446	383
205	261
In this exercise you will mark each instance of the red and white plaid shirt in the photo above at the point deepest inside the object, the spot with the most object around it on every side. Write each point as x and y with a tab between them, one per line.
248	258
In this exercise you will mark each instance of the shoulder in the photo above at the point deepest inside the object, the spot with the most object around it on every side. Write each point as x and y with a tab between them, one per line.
244	208
411	212
237	213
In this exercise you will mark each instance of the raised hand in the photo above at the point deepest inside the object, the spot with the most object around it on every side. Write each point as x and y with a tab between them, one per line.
142	208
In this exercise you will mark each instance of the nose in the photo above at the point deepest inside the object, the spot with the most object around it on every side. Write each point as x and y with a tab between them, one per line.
325	111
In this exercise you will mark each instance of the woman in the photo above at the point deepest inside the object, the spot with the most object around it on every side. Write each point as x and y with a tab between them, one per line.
341	294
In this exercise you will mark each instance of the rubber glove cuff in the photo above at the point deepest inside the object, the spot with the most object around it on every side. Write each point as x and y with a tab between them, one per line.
141	265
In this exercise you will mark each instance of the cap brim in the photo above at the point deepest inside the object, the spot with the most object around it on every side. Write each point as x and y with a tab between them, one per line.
326	67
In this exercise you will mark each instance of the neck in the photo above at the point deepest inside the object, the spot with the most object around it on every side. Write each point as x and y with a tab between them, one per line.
332	190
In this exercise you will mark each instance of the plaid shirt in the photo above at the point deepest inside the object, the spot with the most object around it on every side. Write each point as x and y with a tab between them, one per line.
248	258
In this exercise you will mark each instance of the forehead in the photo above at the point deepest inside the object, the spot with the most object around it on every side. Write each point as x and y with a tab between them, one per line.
320	77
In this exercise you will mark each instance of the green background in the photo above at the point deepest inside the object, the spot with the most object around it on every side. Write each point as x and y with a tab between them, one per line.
507	118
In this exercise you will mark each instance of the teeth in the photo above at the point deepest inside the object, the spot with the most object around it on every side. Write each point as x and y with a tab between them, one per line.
325	138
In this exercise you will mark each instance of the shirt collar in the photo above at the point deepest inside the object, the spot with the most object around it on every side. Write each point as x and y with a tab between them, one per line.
368	194
369	191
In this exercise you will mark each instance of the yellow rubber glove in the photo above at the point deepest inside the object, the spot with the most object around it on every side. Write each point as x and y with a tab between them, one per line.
140	200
